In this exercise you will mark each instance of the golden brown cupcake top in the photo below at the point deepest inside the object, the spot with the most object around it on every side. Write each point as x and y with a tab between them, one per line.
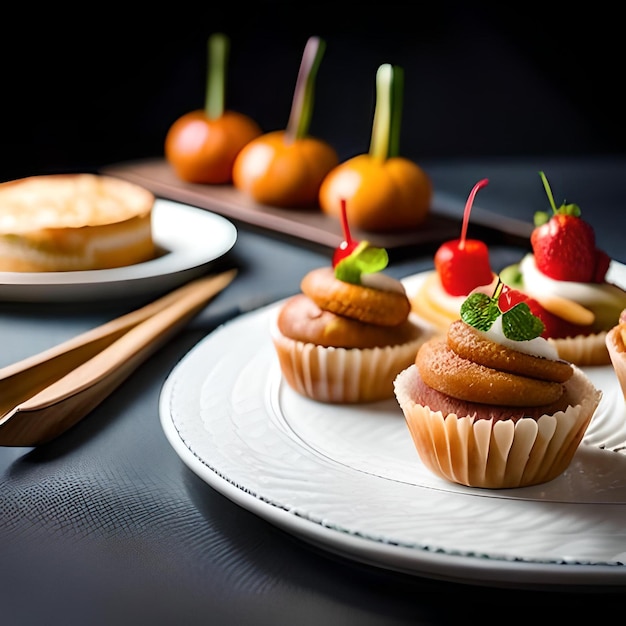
350	305
383	307
489	356
301	319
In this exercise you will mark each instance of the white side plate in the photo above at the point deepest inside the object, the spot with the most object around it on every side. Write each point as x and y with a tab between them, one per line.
190	238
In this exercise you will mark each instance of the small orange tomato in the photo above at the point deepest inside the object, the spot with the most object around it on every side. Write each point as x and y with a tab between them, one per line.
277	171
381	195
203	150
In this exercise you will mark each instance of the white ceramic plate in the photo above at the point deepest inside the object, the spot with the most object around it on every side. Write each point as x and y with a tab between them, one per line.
348	479
190	238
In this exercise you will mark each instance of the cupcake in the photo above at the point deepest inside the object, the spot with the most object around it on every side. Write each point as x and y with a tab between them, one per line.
490	404
616	345
461	266
565	275
350	331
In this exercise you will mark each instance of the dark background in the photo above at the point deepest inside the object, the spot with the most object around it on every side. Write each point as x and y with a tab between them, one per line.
101	86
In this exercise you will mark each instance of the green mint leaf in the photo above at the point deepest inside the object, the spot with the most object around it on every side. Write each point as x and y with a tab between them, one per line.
519	324
347	272
480	311
365	259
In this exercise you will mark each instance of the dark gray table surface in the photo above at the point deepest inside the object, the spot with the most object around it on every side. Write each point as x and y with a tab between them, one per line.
106	525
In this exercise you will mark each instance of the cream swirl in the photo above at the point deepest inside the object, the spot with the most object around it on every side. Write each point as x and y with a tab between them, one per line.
604	300
382	282
535	347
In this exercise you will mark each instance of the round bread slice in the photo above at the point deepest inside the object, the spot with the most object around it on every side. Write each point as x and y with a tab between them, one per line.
69	222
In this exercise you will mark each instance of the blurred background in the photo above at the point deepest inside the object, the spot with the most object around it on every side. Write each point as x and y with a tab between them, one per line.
482	79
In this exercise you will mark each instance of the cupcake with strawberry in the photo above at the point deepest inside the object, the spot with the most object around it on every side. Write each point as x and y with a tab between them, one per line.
563	281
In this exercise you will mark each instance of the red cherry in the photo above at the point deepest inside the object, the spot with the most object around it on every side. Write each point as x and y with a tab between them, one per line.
509	298
463	264
347	246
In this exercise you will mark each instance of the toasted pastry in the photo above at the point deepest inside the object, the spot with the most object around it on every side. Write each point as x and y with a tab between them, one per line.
67	222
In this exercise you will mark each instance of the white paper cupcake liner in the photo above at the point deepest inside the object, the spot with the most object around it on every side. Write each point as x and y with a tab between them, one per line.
500	454
583	350
340	375
617	353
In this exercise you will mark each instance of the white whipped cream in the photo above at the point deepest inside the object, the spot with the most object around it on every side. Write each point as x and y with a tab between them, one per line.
604	299
536	347
382	282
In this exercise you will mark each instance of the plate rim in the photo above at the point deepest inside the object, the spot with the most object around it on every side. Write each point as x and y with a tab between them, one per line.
466	569
414	560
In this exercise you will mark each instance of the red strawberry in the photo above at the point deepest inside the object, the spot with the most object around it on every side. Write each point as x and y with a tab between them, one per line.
564	248
564	244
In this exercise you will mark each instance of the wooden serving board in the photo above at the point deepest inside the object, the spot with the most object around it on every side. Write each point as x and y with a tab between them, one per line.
311	225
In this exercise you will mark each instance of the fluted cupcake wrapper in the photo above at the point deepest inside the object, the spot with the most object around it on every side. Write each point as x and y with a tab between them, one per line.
500	454
342	375
617	353
583	350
